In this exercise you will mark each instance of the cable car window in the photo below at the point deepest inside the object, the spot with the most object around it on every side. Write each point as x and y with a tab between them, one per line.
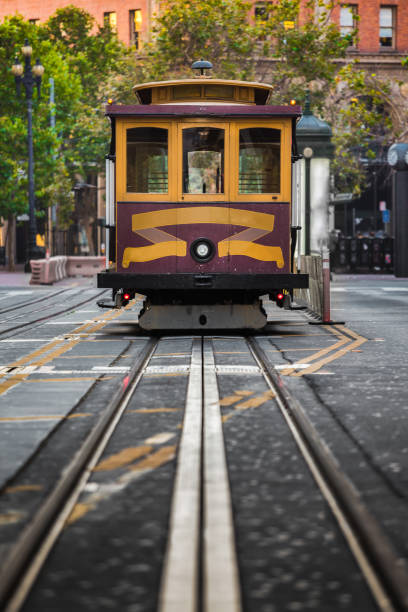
147	160
259	160
203	160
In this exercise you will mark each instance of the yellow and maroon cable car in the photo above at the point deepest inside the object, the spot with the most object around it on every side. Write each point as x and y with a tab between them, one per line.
199	203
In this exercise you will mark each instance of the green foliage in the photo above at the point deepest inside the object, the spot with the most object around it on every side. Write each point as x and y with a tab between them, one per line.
301	41
217	30
80	57
360	111
13	118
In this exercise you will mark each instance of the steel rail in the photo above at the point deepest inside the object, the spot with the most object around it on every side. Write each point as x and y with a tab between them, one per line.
41	299
23	564
385	572
200	570
8	333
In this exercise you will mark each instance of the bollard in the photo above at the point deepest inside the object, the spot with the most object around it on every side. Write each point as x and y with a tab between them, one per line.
325	293
326	285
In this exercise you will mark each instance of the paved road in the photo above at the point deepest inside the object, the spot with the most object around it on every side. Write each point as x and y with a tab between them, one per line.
349	379
359	402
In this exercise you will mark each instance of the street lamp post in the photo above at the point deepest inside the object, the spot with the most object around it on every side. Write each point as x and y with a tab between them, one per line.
29	76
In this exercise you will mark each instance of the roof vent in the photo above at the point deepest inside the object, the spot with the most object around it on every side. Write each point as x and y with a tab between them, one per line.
202	66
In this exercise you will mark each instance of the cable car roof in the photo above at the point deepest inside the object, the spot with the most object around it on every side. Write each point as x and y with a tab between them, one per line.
201	110
213	91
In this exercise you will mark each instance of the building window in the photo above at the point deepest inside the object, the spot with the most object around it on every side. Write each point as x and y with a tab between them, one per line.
135	27
387	26
34	21
110	20
348	21
261	12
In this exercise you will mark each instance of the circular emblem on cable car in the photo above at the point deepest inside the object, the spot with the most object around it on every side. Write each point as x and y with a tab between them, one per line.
202	250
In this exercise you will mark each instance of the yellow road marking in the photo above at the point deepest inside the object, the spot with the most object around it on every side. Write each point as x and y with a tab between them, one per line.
153	461
10	517
152	410
32	357
288	336
232	399
160	457
124	457
320	353
78	511
18	488
51	379
44	417
289	350
359	340
254	402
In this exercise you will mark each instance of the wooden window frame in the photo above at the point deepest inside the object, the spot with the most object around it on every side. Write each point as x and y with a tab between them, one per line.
107	20
285	168
135	33
353	8
203	197
393	10
231	160
122	195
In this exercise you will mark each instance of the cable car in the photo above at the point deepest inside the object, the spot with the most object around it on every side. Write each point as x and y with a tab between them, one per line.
199	203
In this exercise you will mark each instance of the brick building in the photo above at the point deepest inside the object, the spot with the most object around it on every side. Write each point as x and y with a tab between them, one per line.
382	24
131	18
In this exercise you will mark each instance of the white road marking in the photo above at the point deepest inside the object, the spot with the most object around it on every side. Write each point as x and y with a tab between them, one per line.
168	369
237	369
160	438
74	322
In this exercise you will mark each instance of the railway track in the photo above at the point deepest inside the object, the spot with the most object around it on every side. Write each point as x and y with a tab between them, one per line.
29	317
21	293
203	564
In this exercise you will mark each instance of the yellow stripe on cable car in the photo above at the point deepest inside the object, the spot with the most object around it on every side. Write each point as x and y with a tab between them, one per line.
251	249
155	251
203	214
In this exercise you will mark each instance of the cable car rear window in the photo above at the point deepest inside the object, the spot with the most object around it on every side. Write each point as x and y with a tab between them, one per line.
203	160
259	160
147	160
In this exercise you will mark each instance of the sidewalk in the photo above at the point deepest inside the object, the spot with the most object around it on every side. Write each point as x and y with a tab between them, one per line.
19	278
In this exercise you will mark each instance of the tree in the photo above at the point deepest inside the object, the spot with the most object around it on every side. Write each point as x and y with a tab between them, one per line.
13	121
217	30
79	57
304	46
